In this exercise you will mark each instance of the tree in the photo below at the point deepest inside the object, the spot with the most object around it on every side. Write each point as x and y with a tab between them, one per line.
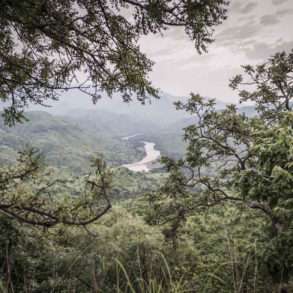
32	194
47	47
235	158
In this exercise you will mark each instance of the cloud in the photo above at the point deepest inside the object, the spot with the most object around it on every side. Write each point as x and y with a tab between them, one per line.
162	52
248	7
278	2
238	33
284	12
177	34
253	31
263	50
195	61
242	8
250	18
269	19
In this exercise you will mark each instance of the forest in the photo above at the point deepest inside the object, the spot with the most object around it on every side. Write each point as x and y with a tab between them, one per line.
213	214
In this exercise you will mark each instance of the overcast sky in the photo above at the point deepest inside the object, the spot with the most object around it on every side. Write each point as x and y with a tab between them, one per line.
254	31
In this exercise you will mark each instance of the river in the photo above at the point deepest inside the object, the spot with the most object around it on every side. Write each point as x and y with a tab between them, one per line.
151	155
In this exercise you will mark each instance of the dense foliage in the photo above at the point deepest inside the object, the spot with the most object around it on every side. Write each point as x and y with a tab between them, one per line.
48	46
68	143
219	219
37	196
234	158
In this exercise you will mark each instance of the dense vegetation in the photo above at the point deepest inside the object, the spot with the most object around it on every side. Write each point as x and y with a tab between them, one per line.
68	142
51	46
246	162
216	217
217	220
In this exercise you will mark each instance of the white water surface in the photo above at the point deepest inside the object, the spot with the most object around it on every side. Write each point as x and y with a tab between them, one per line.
151	155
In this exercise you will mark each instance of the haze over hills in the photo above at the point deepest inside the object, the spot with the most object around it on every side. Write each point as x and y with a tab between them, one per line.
160	112
65	142
73	130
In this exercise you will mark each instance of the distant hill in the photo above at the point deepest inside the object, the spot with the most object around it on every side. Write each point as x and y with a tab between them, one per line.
78	130
170	139
115	124
66	142
159	112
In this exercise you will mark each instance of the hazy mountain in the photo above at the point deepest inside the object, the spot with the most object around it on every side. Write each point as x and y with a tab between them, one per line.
65	142
117	125
170	139
74	129
159	112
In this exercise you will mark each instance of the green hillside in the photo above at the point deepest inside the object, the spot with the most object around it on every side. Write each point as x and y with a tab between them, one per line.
66	143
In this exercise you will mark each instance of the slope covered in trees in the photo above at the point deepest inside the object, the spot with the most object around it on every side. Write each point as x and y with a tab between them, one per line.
70	143
241	160
217	220
217	217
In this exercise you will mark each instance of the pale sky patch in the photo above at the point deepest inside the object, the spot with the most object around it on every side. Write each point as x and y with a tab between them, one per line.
254	31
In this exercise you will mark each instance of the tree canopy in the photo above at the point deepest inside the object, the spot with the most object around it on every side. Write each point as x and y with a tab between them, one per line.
235	158
32	193
50	46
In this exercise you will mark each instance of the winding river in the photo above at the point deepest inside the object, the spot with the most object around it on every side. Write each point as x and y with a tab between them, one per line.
144	165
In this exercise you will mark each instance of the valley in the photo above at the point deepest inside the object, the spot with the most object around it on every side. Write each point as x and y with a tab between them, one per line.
151	156
146	146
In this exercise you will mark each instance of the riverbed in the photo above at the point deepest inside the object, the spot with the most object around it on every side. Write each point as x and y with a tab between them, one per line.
144	165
